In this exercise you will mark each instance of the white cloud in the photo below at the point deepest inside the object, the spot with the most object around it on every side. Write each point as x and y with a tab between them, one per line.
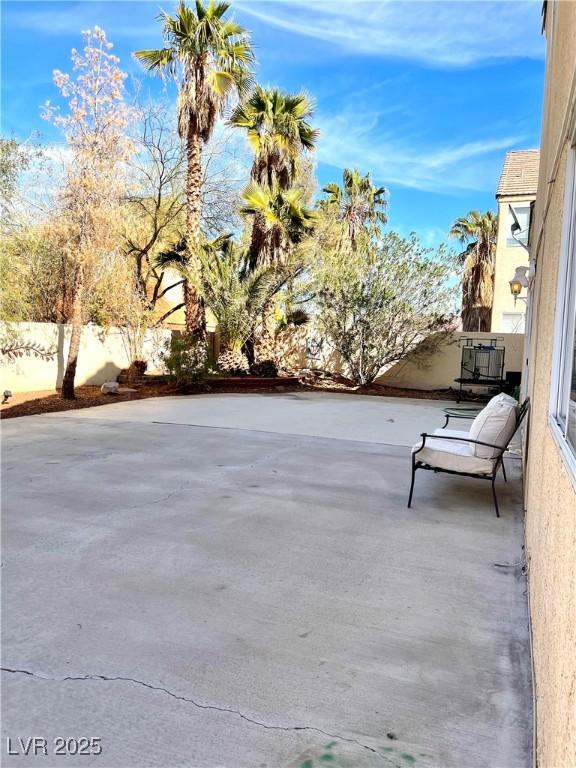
447	33
347	142
434	32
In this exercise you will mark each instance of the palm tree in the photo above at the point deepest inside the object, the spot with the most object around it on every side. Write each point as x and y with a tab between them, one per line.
237	297
278	132
358	202
478	231
285	222
211	59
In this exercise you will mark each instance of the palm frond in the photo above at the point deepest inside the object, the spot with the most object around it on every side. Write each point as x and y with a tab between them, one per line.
202	46
156	60
359	202
175	257
277	128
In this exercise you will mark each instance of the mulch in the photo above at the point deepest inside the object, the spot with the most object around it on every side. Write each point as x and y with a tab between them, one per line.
35	403
49	401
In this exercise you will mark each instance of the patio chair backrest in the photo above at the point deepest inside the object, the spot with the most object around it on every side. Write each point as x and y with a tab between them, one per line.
522	411
500	398
495	424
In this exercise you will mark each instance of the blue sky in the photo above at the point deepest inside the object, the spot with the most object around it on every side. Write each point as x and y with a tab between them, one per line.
427	96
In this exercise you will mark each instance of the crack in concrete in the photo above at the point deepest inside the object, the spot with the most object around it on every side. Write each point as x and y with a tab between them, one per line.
199	705
150	503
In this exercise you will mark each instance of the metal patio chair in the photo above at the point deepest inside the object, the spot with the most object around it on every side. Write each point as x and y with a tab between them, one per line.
455	453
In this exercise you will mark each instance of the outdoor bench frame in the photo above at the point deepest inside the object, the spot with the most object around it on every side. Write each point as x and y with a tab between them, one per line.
498	460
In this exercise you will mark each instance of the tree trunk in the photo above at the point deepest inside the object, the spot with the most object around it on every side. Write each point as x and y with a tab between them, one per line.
68	392
194	312
257	242
476	318
249	350
264	336
195	315
477	293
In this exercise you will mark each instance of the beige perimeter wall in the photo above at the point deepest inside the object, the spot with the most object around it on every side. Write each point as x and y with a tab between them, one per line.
439	370
102	355
550	493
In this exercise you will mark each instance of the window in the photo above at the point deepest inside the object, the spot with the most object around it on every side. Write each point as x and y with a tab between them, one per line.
522	213
513	322
564	389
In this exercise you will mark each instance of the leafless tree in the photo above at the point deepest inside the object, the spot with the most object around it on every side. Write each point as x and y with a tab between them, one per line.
156	204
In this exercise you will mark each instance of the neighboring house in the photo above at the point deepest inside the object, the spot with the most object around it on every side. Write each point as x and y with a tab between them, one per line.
550	467
176	320
172	298
515	195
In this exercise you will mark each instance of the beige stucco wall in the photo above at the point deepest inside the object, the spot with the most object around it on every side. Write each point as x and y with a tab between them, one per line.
507	258
439	370
102	356
550	493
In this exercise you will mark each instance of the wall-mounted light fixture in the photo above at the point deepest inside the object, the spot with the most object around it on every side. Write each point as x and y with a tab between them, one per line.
518	282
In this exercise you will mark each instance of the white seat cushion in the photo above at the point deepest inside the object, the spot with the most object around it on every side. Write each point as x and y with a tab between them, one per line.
454	455
494	424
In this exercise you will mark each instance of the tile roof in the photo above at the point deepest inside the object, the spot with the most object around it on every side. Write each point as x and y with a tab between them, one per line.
520	173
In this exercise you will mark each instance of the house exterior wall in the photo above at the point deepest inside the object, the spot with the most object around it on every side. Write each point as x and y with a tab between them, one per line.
550	488
174	297
507	258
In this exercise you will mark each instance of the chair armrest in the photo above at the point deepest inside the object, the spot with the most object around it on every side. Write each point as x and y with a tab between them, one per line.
449	416
460	413
424	435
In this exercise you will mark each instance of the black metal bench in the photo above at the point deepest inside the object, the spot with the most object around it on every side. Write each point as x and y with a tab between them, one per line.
496	461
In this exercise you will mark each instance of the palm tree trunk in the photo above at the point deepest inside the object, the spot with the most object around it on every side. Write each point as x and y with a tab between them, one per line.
476	319
194	311
477	293
68	392
249	350
195	314
257	242
265	338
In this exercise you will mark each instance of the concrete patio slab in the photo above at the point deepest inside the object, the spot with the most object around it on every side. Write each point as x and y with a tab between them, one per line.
200	596
389	420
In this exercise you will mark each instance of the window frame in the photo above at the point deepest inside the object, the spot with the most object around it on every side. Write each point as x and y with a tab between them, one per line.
518	242
520	322
565	323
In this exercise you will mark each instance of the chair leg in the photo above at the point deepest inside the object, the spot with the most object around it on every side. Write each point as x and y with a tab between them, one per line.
504	471
494	495
412	483
446	422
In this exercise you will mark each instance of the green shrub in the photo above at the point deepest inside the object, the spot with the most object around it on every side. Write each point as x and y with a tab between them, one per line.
186	359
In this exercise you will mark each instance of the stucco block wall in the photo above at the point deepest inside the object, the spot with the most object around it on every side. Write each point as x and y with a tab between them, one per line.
102	356
439	369
550	492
